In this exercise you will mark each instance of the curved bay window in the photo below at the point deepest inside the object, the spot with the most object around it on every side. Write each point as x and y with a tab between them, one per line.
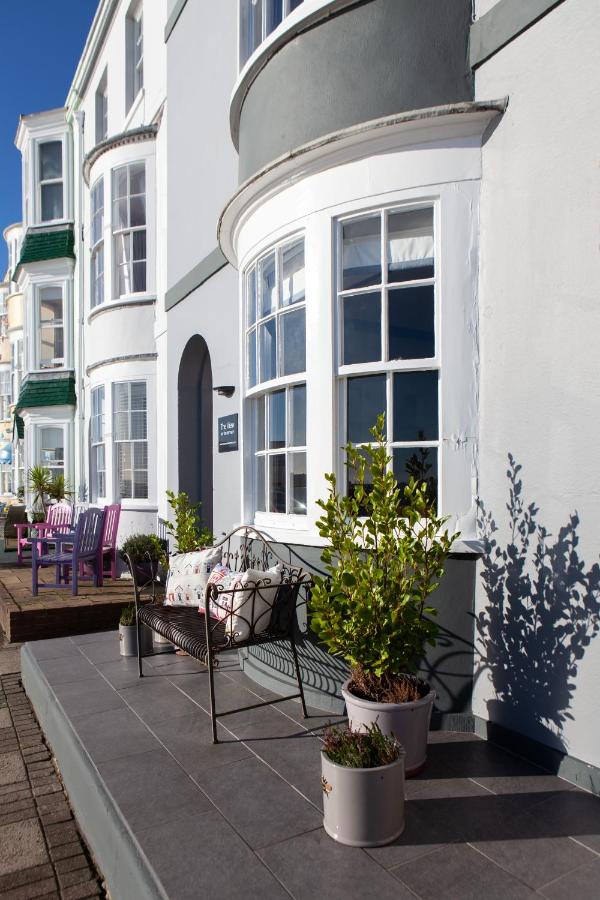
275	341
387	348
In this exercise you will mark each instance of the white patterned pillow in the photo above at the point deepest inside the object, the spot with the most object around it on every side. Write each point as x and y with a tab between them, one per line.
189	574
244	607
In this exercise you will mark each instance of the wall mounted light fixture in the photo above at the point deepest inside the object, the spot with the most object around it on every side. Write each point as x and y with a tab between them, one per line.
225	390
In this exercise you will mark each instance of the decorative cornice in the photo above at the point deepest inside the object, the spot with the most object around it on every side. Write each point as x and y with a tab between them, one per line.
135	136
126	304
136	357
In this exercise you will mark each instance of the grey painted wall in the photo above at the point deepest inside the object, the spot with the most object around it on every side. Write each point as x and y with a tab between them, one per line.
375	59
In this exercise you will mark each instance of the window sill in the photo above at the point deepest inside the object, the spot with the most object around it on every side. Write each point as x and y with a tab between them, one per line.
137	506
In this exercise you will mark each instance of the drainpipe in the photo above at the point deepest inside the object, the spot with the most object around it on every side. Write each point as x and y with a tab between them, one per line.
80	323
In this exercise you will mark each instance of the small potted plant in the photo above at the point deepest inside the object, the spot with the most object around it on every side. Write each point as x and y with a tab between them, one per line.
145	552
386	555
128	633
362	777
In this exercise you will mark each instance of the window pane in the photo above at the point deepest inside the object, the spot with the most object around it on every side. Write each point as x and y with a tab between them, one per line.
362	328
140	455
124	471
139	245
277	483
274	14
252	373
297	483
137	178
366	400
421	463
294	342
120	215
121	396
137	211
123	248
52	201
415	406
250	28
362	253
121	426
139	277
124	281
252	297
50	160
298	416
138	426
120	182
292	274
267	285
294	4
268	350
138	395
411	323
51	305
410	252
276	420
260	483
259	410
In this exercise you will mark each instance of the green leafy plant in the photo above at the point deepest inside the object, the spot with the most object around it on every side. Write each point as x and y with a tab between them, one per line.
187	530
360	749
143	548
386	554
59	488
128	615
39	481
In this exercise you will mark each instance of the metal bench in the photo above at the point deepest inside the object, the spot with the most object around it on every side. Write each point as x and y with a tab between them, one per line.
204	637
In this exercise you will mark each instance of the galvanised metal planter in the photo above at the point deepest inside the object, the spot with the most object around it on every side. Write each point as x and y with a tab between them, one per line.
128	640
363	807
407	722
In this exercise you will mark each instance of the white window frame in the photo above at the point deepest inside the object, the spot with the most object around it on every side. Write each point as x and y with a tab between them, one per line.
134	54
131	441
61	467
386	366
56	324
97	442
97	255
47	181
102	109
263	389
126	233
265	31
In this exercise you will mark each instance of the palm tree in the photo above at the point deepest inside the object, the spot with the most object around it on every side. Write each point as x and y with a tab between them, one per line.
39	481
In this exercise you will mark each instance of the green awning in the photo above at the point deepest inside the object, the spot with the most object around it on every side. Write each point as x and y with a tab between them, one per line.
41	245
47	392
18	426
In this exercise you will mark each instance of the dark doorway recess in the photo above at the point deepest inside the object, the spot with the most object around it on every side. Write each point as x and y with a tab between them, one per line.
195	426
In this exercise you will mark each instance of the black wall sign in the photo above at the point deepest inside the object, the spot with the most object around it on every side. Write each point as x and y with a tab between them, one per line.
228	433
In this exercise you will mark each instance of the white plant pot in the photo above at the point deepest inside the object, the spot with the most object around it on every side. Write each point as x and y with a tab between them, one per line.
128	640
407	722
363	807
163	642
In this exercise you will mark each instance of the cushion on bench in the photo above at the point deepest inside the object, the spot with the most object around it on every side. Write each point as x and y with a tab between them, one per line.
245	600
188	574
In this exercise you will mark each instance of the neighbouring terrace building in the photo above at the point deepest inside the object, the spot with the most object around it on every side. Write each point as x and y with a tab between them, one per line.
259	223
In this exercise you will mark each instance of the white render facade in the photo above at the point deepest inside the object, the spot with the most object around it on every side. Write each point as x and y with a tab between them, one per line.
265	244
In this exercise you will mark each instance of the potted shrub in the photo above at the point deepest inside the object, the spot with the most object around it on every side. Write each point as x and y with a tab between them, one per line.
146	552
187	531
128	633
39	481
362	777
386	555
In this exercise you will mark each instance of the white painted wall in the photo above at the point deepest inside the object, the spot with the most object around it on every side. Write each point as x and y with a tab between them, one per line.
539	312
483	6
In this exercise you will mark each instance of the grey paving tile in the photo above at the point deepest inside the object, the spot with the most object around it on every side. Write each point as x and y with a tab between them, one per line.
296	756
452	737
151	788
95	637
102	651
583	884
113	733
434	786
479	760
430	825
189	739
313	865
317	720
151	698
69	668
202	856
258	803
88	697
122	673
54	648
459	872
170	664
571	813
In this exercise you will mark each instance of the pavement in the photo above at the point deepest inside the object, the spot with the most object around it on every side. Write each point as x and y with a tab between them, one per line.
42	853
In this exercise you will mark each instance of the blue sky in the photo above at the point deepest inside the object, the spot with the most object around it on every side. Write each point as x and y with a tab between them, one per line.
41	45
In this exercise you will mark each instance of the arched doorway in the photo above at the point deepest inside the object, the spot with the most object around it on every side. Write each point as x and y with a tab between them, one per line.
195	426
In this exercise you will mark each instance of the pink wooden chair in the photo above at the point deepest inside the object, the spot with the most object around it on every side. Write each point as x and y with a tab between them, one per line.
109	540
58	518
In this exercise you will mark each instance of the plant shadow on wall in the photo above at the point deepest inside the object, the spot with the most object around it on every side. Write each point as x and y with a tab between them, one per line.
543	612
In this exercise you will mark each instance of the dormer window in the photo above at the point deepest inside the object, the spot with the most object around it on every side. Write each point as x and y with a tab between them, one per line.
51	180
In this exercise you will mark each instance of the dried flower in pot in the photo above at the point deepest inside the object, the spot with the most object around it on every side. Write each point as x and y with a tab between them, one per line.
386	555
362	777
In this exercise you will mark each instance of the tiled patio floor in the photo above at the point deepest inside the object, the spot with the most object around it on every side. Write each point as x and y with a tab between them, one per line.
243	818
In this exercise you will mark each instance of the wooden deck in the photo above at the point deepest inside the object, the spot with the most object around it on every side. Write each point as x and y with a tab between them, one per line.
56	613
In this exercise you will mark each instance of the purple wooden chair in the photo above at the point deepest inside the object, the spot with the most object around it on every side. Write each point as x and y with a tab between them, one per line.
84	545
58	518
112	515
